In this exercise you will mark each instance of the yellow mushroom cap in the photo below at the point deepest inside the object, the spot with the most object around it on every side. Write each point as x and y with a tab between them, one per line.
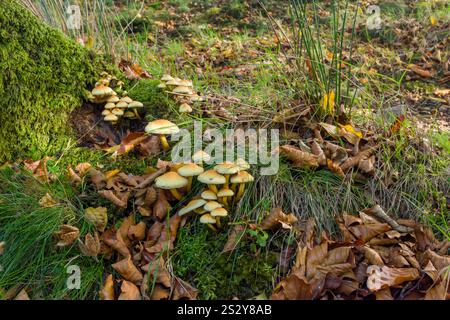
225	192
106	112
162	85
182	90
242	164
226	168
242	177
208	195
207	219
190	170
185	108
117	112
126	99
113	99
161	126
201	156
170	180
174	82
110	105
111	118
135	104
211	177
101	91
192	205
166	77
219	212
121	105
129	115
187	83
211	205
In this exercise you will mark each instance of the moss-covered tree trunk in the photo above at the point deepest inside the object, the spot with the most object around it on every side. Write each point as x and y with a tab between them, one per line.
43	76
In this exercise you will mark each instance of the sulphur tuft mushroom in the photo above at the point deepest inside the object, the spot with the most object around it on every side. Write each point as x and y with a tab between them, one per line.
121	105
171	181
135	104
182	90
211	205
208	195
188	171
162	128
225	193
226	168
242	164
191	206
185	108
117	112
209	221
200	157
102	91
111	118
211	178
219	213
241	178
166	78
106	112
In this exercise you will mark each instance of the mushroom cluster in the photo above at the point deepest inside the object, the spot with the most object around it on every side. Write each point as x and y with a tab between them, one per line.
106	91
183	90
214	201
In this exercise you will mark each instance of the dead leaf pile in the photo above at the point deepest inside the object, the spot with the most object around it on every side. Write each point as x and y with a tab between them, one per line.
378	258
135	251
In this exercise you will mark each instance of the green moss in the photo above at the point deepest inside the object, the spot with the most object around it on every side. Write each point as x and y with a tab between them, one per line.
198	258
43	75
158	103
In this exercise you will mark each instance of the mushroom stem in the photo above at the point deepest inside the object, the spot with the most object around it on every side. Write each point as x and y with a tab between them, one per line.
218	223
233	187
164	142
212	227
224	201
189	185
176	194
241	191
213	188
227	179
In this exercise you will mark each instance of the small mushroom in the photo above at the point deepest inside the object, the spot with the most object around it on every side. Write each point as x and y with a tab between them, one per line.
208	195
135	104
162	85
102	91
227	168
106	112
129	115
241	178
200	157
191	206
122	105
209	221
113	99
166	78
188	171
225	193
162	128
174	82
126	99
171	181
219	213
187	83
211	178
111	118
185	108
211	205
242	164
110	105
117	112
182	90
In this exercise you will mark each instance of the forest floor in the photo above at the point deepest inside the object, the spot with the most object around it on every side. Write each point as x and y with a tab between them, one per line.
382	216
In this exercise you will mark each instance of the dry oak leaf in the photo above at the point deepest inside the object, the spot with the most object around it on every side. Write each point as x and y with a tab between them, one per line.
160	293
157	270
183	290
234	237
91	246
276	218
114	239
98	217
128	270
47	201
137	232
299	158
129	291
380	277
66	235
107	291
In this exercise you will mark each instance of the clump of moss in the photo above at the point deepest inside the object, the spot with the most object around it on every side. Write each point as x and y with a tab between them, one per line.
157	102
43	76
217	275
